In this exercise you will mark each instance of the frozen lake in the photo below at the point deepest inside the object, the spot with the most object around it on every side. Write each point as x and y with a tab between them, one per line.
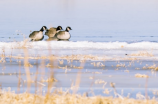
111	41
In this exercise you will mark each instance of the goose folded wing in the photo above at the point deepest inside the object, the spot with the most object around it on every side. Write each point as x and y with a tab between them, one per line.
63	35
33	34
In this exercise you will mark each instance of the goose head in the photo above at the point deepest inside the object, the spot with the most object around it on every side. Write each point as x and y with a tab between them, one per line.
68	29
43	28
59	28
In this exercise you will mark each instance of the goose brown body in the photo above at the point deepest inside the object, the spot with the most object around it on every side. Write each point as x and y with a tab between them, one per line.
52	31
37	35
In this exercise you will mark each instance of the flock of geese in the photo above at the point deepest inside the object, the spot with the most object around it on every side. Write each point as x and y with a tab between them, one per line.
56	34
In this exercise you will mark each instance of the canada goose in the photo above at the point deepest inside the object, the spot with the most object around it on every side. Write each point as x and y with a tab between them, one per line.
64	35
37	35
52	31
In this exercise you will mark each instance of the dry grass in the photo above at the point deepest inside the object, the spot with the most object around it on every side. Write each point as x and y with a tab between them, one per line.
142	53
60	97
60	58
141	76
120	65
154	66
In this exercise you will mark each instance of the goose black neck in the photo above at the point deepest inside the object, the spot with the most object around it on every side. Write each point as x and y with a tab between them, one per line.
42	29
67	30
